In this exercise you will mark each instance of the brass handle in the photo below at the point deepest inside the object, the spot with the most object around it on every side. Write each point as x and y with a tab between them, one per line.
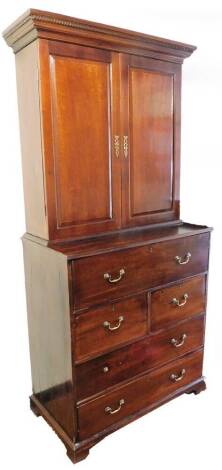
176	302
178	377
109	410
125	145
108	276
116	145
183	260
176	343
107	324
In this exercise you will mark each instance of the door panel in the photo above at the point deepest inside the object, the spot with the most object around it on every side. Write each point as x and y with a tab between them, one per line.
151	117
83	90
151	140
83	159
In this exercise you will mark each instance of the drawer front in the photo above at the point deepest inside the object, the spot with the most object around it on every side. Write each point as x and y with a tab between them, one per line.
110	408
175	303
96	375
109	326
112	275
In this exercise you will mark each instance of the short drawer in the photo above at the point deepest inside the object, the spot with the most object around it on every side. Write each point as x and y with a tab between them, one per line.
111	325
108	409
112	275
175	303
156	350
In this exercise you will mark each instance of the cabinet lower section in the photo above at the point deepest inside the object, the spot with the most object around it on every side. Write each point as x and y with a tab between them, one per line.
131	347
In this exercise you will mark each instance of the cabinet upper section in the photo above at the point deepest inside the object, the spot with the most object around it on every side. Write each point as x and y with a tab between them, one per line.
99	112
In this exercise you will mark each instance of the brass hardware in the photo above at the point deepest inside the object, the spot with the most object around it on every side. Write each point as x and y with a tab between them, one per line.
176	302
109	410
108	276
105	369
116	145
178	377
184	260
176	343
107	324
125	145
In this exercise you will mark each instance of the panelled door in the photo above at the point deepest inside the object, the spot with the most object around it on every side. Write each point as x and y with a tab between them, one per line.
150	104
80	103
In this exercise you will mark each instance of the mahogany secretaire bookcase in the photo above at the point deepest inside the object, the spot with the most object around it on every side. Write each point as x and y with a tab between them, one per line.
116	283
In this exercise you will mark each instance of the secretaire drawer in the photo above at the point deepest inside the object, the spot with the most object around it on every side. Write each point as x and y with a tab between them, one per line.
175	303
105	410
103	328
111	275
153	351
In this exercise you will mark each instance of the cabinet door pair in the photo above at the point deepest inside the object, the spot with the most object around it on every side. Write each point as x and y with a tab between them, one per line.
110	123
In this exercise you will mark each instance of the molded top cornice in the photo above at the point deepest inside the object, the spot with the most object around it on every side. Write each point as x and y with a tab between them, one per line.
41	24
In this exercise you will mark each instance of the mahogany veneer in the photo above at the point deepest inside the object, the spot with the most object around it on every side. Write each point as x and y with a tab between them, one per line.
116	283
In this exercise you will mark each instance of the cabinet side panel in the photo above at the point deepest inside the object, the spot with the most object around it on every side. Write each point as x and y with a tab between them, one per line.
46	276
30	135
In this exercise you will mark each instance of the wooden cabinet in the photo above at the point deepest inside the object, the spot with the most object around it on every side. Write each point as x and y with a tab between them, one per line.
116	283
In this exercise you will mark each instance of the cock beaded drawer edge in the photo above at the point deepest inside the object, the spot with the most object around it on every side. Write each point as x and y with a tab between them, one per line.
116	283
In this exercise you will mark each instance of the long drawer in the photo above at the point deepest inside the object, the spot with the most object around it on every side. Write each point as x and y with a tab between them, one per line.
111	325
109	276
96	375
177	302
106	410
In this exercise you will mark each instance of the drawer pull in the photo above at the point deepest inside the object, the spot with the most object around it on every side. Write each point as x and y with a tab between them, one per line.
108	276
176	343
107	324
109	410
176	302
184	260
105	369
178	377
